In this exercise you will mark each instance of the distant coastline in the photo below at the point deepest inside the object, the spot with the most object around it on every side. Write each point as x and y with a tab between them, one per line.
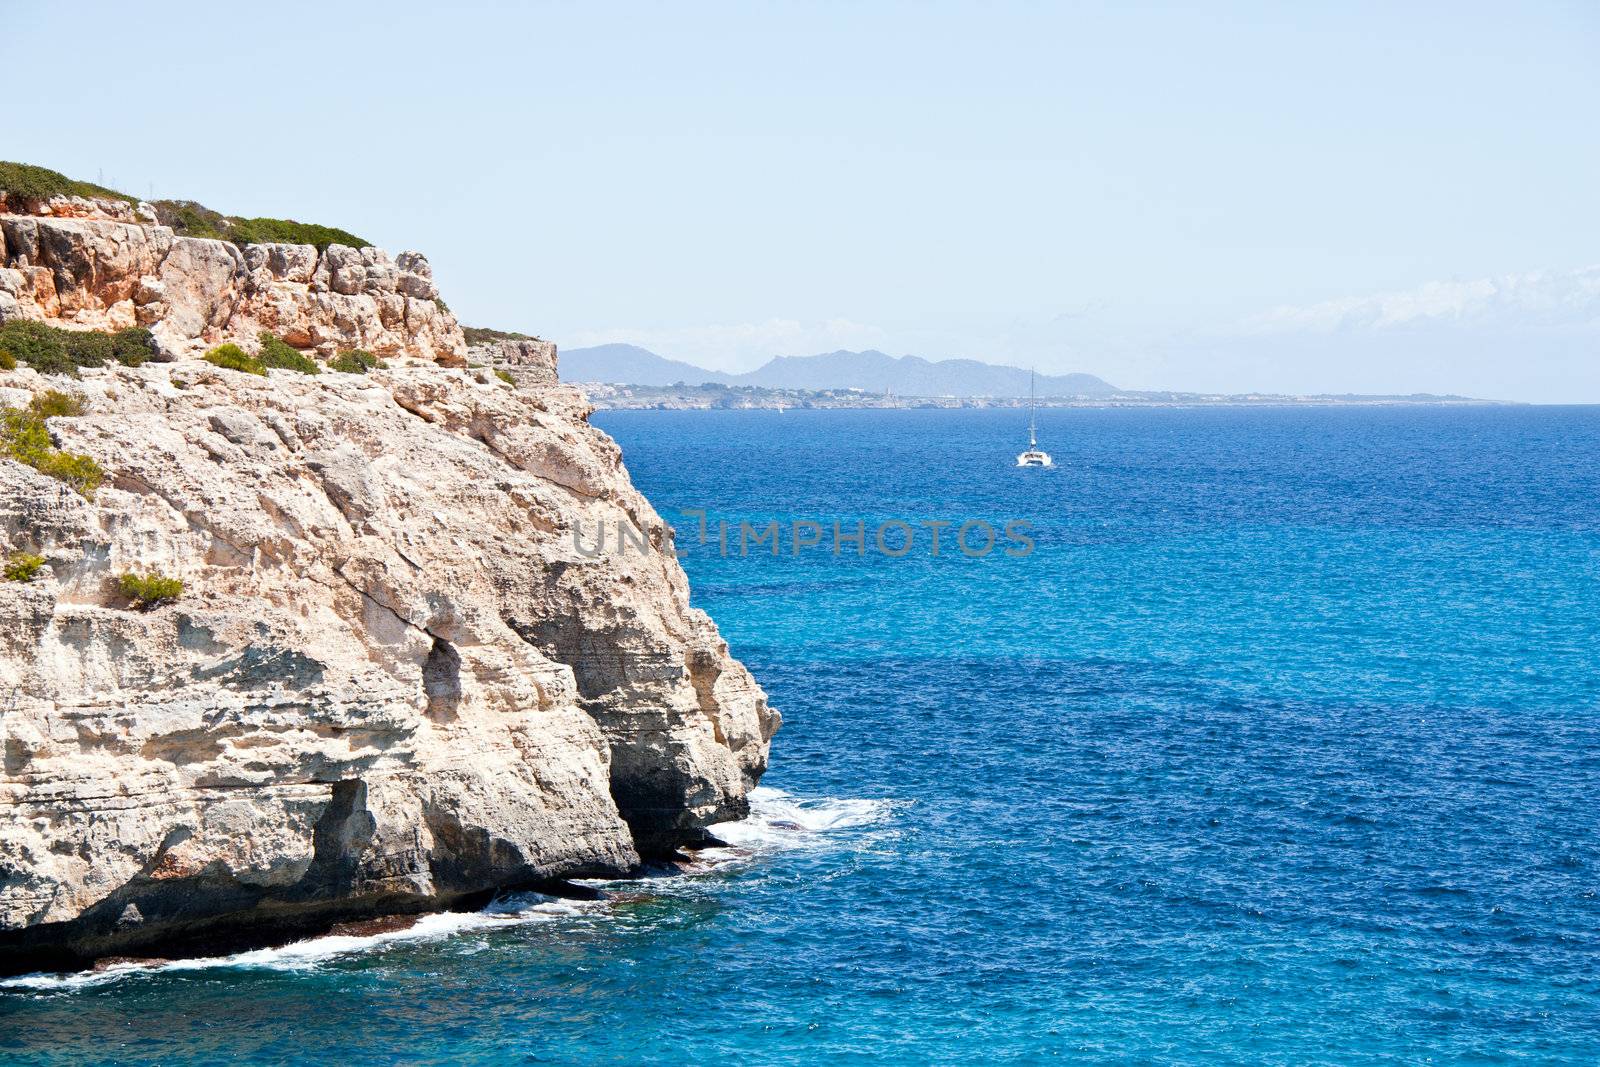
714	397
629	377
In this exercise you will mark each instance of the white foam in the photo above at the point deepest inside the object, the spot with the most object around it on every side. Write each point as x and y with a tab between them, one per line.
778	822
308	954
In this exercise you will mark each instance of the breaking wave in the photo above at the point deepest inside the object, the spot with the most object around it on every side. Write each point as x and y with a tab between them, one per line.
779	821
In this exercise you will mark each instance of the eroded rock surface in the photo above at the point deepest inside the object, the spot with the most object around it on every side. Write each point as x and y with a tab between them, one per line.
106	265
393	680
525	360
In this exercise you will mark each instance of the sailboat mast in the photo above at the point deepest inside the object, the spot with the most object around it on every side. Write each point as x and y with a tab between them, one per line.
1033	438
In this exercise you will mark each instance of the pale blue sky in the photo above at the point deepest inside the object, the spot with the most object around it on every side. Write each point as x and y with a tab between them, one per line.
1367	198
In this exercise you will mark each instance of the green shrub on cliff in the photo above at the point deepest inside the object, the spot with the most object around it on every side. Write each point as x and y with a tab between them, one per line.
39	183
133	346
86	348
505	376
232	357
149	590
189	219
356	361
37	345
54	404
52	350
481	335
288	231
22	567
91	348
278	354
25	438
81	473
275	353
7	360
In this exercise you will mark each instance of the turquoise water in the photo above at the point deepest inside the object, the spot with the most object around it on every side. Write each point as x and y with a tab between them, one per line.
1282	746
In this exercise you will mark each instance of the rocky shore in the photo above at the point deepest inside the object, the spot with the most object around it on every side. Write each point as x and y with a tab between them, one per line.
391	682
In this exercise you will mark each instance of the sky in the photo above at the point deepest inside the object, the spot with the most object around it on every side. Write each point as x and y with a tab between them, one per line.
1380	198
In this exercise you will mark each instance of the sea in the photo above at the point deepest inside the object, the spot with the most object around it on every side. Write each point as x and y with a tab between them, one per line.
1257	735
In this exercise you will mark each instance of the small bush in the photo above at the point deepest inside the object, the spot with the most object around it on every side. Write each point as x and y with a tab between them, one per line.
189	219
54	404
505	376
78	471
22	567
232	357
7	360
37	345
149	590
25	438
280	355
356	361
133	346
87	348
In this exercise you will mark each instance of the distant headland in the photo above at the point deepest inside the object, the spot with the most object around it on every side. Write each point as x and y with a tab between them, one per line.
627	376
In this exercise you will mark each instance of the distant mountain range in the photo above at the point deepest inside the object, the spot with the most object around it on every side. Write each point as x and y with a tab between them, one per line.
871	371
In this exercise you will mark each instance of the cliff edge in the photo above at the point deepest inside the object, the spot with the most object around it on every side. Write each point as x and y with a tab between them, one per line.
102	264
394	679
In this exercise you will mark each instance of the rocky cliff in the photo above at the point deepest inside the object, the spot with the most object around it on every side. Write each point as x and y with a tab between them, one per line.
397	677
525	360
107	265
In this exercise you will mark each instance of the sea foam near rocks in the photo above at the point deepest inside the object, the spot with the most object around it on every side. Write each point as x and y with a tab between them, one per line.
778	822
308	955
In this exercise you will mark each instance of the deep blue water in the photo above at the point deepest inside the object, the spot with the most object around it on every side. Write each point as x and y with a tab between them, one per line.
1282	746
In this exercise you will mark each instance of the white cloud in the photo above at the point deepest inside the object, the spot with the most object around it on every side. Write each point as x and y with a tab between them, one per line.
1541	298
740	346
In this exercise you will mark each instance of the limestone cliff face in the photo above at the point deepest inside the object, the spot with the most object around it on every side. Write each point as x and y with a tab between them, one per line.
527	361
394	681
103	264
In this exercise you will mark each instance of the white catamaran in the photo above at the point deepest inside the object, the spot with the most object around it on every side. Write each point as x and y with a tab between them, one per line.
1034	456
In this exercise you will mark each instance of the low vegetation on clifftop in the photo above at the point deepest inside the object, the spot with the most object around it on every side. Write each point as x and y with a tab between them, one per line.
187	218
29	182
482	335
